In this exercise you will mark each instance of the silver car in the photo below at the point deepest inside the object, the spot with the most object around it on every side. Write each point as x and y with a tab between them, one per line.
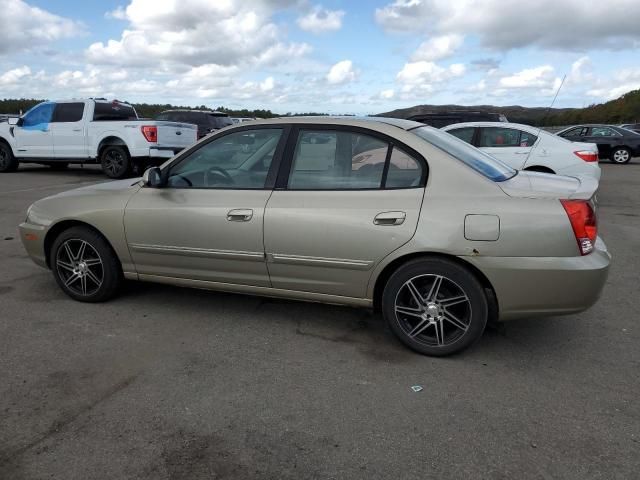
375	213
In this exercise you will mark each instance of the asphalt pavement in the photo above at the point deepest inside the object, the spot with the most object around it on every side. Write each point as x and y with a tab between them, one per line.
173	383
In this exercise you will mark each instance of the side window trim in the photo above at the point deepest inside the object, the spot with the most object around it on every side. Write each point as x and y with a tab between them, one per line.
273	168
286	166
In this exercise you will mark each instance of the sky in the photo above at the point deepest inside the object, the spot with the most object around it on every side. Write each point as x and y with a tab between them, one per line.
341	57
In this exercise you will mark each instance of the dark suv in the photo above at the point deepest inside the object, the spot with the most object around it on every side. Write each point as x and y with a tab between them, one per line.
442	119
207	121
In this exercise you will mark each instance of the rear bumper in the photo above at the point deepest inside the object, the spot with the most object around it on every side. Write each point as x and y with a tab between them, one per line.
535	286
32	237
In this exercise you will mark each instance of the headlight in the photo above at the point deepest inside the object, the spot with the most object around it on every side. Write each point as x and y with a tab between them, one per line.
28	214
34	219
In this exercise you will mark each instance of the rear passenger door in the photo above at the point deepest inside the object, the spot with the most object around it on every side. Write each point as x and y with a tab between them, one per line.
345	198
67	128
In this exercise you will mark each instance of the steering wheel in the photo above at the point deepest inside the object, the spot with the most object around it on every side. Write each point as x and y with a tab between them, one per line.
217	172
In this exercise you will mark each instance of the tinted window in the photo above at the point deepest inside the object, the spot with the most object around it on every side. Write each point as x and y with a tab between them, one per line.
499	137
113	111
527	139
38	117
328	160
465	134
404	170
163	116
219	121
68	112
574	132
602	132
487	165
238	160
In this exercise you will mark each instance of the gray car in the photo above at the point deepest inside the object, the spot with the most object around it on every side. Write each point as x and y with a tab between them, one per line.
385	214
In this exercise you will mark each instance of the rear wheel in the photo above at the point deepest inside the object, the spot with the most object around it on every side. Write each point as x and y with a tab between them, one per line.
8	163
84	265
435	306
620	155
115	161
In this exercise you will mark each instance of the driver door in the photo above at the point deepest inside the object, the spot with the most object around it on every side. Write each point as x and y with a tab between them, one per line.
33	133
206	223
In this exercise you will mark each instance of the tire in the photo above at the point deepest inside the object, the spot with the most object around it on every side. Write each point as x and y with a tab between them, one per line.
77	251
8	163
621	155
434	328
115	161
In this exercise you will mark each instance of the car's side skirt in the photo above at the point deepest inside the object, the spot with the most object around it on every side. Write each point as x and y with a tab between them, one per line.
253	290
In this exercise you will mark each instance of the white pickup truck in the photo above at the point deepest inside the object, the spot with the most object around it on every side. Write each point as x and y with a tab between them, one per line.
90	131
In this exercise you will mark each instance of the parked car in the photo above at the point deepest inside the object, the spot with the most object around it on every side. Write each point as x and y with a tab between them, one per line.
614	143
206	121
529	148
635	127
89	131
438	235
442	119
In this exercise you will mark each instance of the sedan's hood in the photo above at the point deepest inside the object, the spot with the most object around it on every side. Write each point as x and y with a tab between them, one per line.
546	185
132	184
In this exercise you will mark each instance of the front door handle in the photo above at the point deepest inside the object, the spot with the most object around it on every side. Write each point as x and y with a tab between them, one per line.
77	130
240	215
390	218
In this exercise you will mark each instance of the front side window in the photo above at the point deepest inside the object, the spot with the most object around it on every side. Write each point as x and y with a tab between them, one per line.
482	163
465	134
337	160
68	112
240	160
39	117
499	137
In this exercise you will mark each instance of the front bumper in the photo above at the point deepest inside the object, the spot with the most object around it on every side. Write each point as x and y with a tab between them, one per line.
535	286
32	237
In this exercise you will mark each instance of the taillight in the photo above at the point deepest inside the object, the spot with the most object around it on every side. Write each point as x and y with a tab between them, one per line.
150	133
583	221
587	155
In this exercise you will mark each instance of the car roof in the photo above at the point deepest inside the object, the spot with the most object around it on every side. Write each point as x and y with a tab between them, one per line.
521	126
185	110
343	120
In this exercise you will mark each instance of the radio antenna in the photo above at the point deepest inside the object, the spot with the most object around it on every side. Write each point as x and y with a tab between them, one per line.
546	114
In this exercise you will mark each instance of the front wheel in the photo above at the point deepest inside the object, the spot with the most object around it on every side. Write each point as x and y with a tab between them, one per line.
620	155
8	163
115	161
435	306
84	265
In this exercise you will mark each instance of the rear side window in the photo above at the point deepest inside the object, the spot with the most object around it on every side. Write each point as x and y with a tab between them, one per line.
603	132
574	132
113	111
465	134
68	112
527	139
499	137
220	121
404	170
482	163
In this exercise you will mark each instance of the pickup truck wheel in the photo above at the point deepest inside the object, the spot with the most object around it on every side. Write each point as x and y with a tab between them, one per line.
115	161
8	163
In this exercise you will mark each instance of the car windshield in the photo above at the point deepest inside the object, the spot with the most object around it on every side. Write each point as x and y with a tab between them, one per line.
481	162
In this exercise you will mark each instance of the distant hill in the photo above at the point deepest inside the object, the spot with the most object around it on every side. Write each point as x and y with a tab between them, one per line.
625	109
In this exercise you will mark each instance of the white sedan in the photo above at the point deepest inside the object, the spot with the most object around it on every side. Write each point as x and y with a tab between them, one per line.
524	147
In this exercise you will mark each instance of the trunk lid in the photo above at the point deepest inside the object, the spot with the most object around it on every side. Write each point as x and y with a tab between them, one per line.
546	185
173	134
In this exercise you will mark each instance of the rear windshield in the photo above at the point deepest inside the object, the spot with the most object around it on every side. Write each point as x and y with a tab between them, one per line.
487	165
220	121
113	111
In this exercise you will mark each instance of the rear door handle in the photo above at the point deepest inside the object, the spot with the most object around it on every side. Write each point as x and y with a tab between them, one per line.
77	130
240	215
390	218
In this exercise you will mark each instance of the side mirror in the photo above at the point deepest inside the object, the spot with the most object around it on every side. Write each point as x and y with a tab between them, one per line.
13	120
152	177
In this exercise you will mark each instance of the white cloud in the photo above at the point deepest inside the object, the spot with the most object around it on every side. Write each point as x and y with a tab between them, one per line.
197	32
623	81
341	72
14	76
24	27
537	77
504	24
320	20
438	48
415	73
387	94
